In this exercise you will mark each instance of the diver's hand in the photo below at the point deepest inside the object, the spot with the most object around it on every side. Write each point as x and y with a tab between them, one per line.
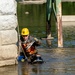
36	39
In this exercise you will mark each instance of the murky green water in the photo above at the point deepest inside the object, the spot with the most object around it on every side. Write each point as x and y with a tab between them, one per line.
34	18
68	8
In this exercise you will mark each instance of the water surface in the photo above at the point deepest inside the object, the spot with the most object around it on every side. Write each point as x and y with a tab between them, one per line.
58	61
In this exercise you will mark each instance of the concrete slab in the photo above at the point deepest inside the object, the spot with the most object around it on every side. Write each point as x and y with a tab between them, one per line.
68	20
68	0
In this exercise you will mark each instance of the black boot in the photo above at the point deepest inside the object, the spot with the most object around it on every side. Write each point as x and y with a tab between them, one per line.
36	59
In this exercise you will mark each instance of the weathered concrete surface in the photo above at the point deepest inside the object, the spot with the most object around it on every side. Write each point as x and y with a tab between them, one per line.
68	0
8	37
7	7
9	70
8	33
40	1
68	20
8	22
7	62
8	52
34	2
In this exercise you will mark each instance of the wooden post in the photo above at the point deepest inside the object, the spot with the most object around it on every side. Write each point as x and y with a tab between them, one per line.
59	23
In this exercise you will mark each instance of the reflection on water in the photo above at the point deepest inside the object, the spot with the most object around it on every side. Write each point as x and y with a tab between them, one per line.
59	61
68	37
9	70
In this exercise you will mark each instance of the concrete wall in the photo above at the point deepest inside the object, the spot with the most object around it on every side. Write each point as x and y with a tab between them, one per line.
8	34
68	20
68	0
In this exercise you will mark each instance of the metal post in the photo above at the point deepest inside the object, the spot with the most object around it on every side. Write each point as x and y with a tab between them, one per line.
48	15
48	18
59	23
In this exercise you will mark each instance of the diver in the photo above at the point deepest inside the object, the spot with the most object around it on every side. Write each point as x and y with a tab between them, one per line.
28	44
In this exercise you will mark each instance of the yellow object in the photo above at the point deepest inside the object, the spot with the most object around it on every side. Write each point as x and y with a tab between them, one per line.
25	31
35	39
22	60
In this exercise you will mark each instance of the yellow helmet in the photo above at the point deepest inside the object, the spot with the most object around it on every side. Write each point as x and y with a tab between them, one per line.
25	31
